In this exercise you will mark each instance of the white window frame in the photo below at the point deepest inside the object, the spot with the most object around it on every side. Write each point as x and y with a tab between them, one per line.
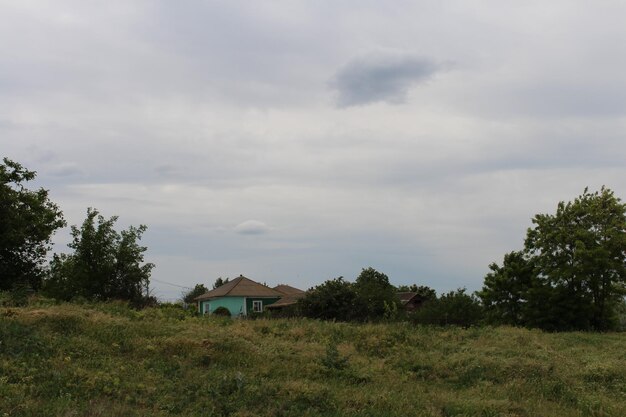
258	303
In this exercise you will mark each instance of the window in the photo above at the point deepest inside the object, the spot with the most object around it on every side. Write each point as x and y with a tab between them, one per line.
257	306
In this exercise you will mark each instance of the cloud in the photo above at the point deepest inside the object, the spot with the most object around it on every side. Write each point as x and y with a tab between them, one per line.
380	77
252	227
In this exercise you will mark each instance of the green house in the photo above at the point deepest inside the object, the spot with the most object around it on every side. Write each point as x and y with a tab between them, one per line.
241	297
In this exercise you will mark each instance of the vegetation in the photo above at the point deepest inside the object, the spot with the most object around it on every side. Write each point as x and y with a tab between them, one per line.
105	265
196	291
572	272
104	359
452	308
220	281
27	221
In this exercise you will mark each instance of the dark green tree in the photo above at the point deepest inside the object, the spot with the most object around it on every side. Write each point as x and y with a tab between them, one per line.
106	264
572	274
505	294
27	221
581	253
375	294
220	281
198	290
334	299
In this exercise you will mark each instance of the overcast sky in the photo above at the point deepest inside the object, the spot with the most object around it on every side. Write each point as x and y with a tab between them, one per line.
295	141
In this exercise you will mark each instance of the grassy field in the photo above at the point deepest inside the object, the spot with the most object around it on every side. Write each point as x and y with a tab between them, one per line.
108	360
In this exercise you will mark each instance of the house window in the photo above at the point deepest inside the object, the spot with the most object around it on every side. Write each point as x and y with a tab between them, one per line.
257	306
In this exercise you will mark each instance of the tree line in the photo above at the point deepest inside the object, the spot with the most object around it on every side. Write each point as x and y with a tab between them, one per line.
569	275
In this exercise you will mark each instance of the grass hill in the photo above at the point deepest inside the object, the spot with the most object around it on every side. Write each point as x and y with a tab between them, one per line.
108	360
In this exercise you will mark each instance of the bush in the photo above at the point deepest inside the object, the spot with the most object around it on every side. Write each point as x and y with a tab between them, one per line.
453	308
222	311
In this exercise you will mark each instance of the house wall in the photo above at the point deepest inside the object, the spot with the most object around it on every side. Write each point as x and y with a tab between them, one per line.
266	302
234	304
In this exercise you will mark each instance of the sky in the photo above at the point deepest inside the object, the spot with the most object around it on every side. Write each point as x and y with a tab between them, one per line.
298	141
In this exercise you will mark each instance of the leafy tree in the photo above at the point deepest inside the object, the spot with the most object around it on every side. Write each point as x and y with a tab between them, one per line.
106	264
334	299
27	221
572	273
581	253
376	295
196	291
505	293
453	308
219	282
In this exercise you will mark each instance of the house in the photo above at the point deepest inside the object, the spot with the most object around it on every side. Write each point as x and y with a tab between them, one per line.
411	301
290	297
241	297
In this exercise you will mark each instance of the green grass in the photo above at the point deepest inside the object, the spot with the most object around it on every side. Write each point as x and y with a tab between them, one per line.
108	360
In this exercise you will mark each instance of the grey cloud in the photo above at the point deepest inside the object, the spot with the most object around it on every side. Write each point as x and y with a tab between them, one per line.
252	227
380	77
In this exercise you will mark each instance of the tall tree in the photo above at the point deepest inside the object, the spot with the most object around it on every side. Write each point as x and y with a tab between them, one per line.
572	274
106	264
581	252
27	221
375	293
505	293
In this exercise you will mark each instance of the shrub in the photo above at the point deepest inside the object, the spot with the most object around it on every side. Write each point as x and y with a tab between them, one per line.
453	308
222	311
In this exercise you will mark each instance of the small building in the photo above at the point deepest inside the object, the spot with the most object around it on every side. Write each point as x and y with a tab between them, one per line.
291	295
411	301
241	297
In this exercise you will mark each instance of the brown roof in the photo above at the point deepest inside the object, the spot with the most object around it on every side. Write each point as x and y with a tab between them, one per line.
405	297
287	300
241	287
288	289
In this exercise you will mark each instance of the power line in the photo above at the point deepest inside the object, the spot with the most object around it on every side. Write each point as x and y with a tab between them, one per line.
169	283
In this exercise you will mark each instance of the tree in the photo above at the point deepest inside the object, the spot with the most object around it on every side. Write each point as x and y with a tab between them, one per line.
572	274
581	252
219	282
505	293
198	290
27	221
106	264
334	299
375	294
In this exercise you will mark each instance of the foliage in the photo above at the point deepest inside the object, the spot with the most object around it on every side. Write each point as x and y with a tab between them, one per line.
334	299
190	296
27	221
572	273
505	292
452	308
219	282
376	296
222	311
104	359
333	360
105	265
